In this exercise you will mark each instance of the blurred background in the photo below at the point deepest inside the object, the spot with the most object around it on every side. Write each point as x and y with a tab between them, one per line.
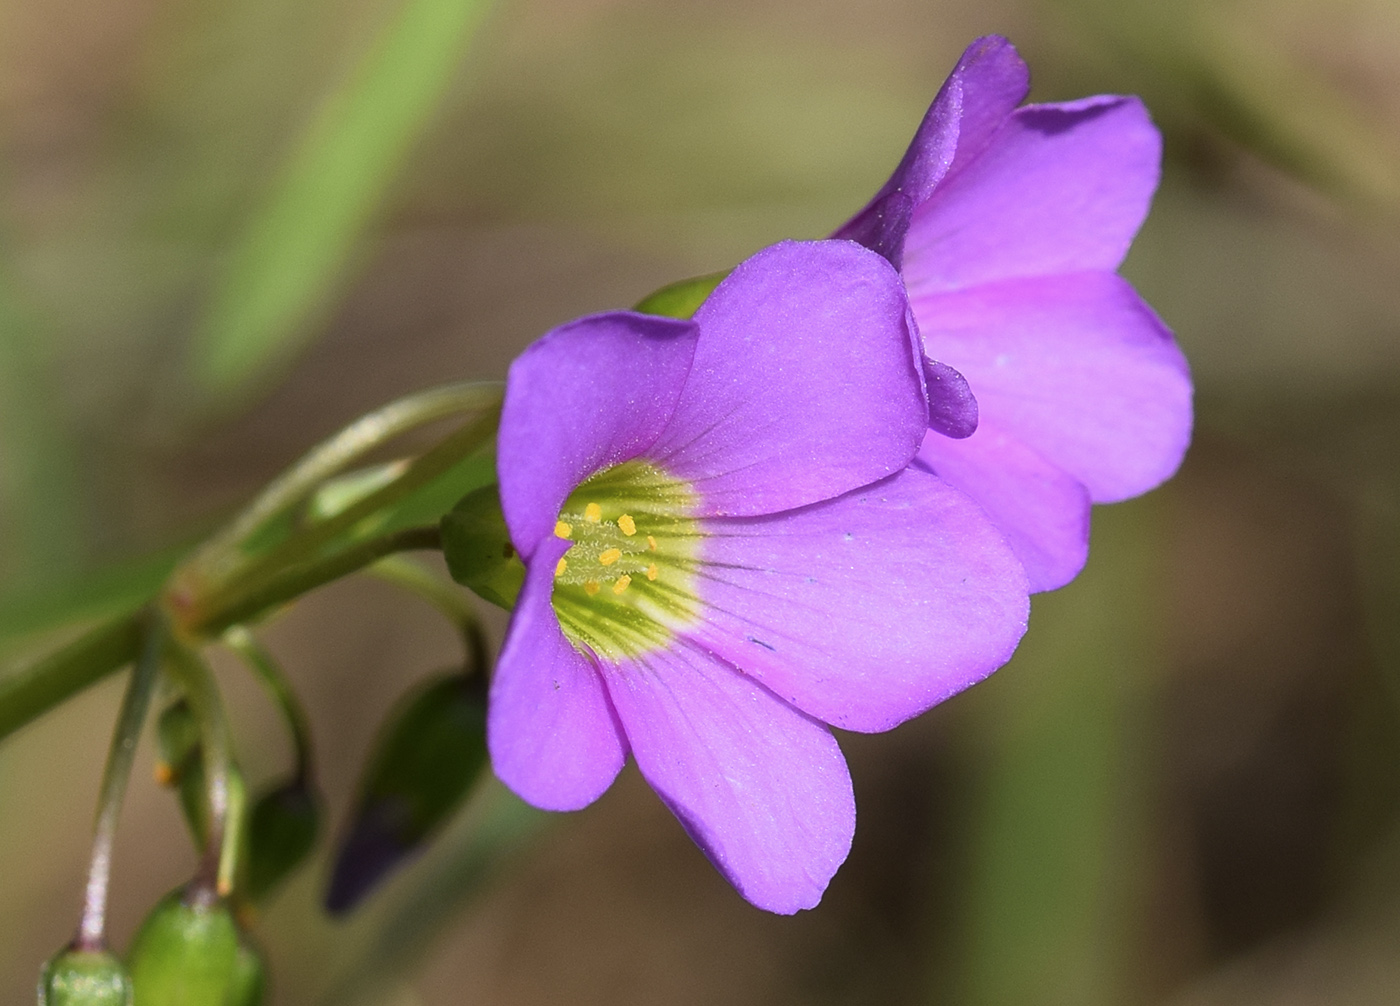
227	227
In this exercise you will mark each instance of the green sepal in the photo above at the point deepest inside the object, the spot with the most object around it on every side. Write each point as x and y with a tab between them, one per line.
430	750
478	549
683	298
249	984
282	830
185	952
84	978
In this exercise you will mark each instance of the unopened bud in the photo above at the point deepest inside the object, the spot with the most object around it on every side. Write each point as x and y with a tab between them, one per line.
185	952
282	829
249	985
478	549
84	978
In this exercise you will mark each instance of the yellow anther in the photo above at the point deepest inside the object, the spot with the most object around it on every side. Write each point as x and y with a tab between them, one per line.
628	525
651	543
593	513
651	572
590	587
560	566
165	775
621	584
562	529
610	556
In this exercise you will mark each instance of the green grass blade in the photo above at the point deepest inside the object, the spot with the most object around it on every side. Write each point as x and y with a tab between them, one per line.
294	248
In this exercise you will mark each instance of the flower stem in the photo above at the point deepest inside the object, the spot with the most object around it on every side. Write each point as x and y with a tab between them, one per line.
222	784
334	456
269	672
132	716
445	596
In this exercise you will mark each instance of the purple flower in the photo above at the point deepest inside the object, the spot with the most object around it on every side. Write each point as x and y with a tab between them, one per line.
725	550
1008	225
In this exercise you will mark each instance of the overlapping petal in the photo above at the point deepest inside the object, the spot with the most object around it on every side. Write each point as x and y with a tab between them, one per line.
589	394
550	727
762	789
1041	509
805	385
864	610
1057	189
1076	367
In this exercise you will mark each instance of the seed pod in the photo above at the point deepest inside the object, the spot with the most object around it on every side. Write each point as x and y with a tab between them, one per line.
84	978
249	985
478	550
185	952
282	829
428	753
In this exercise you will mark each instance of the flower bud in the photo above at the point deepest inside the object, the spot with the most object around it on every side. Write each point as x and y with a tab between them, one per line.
282	829
185	952
84	978
478	550
430	750
177	734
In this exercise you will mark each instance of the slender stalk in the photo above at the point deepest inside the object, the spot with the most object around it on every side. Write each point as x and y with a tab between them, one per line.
54	678
338	453
447	597
132	717
305	546
292	583
216	748
270	673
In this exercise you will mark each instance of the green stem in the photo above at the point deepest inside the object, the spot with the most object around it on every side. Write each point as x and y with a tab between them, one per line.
51	680
335	455
270	673
304	546
292	583
93	925
216	747
447	597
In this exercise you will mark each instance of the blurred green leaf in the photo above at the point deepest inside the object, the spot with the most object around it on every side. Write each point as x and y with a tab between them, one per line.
1055	843
293	250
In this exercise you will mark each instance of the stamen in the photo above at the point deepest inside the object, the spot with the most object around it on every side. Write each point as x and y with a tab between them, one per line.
593	513
560	566
610	556
562	529
651	543
628	525
591	587
651	571
621	584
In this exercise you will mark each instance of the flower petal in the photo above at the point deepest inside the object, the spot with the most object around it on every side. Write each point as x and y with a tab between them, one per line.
987	84
589	394
1042	511
762	789
1059	188
550	727
868	609
1076	367
806	382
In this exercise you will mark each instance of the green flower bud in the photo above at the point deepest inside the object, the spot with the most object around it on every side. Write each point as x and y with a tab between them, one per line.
477	547
84	978
185	952
430	750
249	985
683	298
282	829
177	734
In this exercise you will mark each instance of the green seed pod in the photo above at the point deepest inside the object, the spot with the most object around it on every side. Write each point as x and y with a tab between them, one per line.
282	829
478	551
249	985
185	952
428	753
84	978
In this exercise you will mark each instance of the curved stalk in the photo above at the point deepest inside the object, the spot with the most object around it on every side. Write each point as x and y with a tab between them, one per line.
447	597
270	673
131	718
